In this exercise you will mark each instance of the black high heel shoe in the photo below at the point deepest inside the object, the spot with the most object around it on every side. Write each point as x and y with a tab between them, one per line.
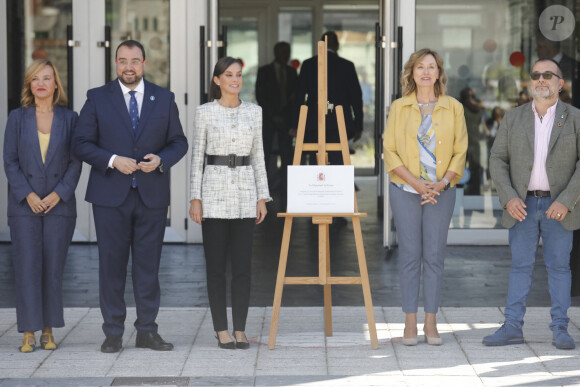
228	345
241	344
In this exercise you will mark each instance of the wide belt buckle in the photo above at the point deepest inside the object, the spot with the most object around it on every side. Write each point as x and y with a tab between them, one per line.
232	161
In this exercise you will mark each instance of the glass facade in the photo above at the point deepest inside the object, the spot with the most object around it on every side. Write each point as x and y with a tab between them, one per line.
148	22
489	47
38	31
355	26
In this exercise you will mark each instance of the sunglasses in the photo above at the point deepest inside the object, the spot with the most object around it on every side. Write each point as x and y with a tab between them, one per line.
546	74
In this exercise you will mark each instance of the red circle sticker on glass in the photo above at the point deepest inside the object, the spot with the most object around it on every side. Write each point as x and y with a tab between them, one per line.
517	58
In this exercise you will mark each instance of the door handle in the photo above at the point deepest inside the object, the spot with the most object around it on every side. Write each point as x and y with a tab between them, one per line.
106	44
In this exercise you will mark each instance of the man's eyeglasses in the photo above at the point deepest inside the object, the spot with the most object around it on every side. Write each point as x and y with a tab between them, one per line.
546	74
124	62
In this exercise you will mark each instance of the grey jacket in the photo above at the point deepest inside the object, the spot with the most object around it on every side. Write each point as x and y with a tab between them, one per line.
512	158
228	193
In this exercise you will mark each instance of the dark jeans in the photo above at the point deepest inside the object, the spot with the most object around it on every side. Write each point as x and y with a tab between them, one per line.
233	237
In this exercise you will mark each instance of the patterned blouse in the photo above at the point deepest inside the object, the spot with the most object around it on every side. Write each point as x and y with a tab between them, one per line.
426	143
228	193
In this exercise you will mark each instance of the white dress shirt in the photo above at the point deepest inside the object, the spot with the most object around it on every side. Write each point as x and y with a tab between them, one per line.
543	130
140	93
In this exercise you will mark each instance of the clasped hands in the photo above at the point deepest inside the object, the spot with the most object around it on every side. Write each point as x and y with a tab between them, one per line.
429	190
38	205
516	208
127	165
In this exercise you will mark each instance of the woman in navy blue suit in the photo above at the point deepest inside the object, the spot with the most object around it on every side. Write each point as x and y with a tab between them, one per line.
42	178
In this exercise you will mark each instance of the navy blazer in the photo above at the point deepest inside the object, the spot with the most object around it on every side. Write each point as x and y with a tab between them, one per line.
23	162
104	128
343	89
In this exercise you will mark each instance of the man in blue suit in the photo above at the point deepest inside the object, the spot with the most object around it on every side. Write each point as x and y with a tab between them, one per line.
129	132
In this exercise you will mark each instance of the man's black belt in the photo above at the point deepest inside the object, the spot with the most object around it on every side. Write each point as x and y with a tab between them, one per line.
539	194
231	161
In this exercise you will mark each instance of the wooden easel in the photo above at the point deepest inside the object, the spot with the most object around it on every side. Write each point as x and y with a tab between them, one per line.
323	220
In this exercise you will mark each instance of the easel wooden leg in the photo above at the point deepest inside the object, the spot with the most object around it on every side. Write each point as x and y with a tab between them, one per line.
364	275
327	290
280	282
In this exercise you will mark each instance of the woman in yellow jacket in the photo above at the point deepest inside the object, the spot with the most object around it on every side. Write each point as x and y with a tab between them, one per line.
425	146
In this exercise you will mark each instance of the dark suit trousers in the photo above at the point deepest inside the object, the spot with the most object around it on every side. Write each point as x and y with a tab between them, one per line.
285	148
221	236
131	227
39	248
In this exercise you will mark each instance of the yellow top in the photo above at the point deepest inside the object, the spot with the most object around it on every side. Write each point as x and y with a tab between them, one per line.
44	139
400	139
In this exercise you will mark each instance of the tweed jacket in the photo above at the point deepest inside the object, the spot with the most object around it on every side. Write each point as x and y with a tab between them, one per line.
400	139
512	158
228	193
23	162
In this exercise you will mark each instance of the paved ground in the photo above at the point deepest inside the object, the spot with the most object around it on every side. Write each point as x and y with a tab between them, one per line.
474	289
303	356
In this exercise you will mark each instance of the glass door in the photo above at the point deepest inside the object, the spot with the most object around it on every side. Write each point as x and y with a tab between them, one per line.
35	29
80	37
355	26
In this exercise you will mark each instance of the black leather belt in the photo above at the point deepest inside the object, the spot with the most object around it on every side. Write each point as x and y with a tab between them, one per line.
231	161
539	194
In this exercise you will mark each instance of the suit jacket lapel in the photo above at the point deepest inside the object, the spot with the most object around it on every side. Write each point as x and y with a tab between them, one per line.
559	120
529	125
30	129
56	132
147	106
120	105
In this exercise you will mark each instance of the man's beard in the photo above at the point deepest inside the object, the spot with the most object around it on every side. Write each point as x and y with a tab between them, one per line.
136	80
542	93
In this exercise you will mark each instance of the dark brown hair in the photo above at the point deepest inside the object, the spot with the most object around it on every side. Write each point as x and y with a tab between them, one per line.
220	67
131	44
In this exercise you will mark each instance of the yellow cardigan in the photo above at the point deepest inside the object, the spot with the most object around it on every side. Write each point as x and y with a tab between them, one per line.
400	140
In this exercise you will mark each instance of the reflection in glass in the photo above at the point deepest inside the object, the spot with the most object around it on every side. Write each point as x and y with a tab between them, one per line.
356	34
243	43
45	33
489	48
295	27
131	19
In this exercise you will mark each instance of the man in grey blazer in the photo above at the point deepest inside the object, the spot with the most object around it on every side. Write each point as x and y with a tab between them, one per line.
535	165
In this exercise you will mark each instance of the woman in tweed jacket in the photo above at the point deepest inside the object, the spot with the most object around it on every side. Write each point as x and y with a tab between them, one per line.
230	195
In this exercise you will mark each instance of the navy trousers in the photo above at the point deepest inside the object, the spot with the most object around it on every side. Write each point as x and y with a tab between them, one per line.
130	228
39	248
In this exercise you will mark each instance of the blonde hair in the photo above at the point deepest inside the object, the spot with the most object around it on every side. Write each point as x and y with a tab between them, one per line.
27	100
408	85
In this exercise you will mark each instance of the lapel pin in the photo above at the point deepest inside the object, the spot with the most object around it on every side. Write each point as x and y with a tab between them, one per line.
152	98
559	124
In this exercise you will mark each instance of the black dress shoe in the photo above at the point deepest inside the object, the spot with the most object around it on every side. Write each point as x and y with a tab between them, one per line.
242	344
112	344
153	341
228	345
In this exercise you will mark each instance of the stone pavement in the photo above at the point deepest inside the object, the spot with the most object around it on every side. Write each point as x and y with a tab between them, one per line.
303	356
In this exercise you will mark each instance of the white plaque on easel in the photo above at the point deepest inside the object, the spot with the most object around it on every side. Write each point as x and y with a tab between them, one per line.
321	189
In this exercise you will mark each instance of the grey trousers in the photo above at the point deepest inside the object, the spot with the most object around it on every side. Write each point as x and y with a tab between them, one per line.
422	238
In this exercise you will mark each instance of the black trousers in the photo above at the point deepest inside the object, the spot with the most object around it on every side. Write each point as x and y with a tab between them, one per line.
233	237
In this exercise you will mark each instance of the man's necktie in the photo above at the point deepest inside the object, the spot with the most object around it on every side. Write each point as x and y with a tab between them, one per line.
134	111
134	114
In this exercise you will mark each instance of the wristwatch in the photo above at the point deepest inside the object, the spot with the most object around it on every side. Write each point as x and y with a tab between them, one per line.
160	167
447	183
